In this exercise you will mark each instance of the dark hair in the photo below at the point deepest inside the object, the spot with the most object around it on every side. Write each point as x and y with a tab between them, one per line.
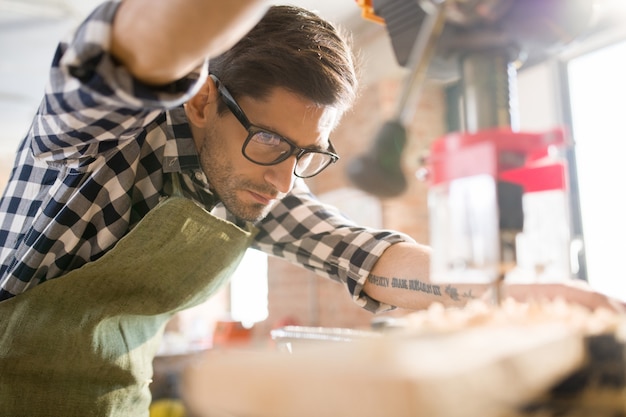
295	49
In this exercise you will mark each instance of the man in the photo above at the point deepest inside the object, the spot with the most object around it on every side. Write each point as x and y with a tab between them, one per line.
134	114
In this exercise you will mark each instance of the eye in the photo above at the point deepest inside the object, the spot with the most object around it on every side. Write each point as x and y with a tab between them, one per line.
267	139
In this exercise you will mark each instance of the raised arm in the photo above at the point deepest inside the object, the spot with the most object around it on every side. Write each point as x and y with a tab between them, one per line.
162	41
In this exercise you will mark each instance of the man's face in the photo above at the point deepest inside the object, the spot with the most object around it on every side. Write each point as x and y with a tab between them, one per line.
249	190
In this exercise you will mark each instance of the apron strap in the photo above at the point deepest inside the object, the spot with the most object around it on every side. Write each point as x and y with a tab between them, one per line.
177	189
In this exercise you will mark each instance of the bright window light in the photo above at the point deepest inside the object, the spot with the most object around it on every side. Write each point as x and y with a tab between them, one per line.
598	91
248	289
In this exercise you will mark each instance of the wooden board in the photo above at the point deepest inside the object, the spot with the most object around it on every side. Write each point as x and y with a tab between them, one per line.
479	372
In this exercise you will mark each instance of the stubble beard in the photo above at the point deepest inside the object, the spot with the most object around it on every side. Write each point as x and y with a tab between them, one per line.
226	184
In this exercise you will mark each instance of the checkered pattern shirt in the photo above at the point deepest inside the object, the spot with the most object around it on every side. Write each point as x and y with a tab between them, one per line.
98	157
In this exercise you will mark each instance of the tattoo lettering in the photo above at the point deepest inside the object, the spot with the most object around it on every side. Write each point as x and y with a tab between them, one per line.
399	283
407	284
419	286
416	285
379	281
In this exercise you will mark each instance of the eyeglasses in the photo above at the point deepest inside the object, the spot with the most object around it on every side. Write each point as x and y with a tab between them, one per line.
264	147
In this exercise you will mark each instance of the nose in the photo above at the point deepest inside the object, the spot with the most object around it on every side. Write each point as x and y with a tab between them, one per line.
281	175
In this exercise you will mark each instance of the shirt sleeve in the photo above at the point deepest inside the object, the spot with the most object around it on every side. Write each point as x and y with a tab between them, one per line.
92	102
317	236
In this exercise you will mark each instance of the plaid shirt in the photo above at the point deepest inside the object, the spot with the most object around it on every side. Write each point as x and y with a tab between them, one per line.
98	157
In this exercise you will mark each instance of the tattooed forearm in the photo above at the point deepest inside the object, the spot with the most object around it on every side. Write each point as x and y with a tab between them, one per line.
419	286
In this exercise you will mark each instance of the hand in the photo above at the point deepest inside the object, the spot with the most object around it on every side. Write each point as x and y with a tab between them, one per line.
573	291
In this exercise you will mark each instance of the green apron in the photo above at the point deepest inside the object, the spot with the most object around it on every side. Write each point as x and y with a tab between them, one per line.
83	345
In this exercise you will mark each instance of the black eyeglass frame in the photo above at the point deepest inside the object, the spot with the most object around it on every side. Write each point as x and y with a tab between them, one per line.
299	152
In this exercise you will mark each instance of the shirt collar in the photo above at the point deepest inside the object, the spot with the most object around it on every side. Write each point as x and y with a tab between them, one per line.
180	156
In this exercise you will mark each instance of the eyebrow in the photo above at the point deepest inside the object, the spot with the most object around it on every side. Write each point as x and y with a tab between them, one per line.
311	148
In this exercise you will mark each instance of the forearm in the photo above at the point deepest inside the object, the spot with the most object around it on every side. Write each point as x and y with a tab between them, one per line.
401	278
160	42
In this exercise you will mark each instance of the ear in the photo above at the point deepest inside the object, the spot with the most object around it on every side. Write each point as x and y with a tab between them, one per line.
200	106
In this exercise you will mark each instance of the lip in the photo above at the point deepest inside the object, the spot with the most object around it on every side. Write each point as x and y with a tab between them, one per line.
260	198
